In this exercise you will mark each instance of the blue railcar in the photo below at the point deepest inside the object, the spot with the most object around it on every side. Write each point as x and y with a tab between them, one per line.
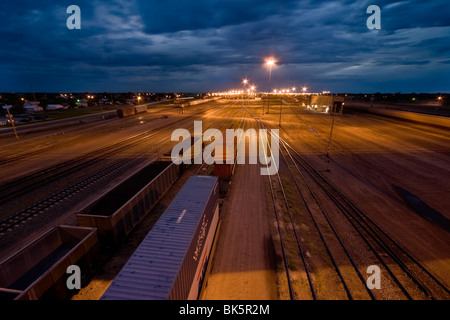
171	261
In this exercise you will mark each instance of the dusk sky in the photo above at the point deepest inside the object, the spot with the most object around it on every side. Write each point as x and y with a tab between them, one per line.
211	45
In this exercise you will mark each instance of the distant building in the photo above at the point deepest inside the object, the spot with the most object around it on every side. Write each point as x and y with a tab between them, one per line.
55	107
105	101
32	106
326	103
82	103
33	109
31	103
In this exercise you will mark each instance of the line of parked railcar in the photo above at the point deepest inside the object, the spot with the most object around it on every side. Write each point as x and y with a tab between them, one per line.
180	242
125	112
171	261
38	271
116	212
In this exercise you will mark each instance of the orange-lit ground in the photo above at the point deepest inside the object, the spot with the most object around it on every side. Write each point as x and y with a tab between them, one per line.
368	156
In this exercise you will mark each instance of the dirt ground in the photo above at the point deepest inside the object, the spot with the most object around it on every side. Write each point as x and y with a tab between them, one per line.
369	155
243	266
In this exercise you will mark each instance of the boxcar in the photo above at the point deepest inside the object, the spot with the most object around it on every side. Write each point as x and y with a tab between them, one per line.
224	158
140	109
171	261
38	271
125	112
120	209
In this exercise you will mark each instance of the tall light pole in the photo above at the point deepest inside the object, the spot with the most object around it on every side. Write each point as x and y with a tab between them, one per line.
281	109
270	63
439	103
331	131
244	82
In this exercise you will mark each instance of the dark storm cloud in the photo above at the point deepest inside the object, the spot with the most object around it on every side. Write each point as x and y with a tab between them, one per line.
209	45
176	15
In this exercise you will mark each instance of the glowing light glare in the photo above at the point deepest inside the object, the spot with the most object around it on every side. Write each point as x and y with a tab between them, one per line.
270	62
234	92
304	89
245	81
293	89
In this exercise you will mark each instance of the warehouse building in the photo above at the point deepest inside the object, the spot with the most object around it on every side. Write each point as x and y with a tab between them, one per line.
327	104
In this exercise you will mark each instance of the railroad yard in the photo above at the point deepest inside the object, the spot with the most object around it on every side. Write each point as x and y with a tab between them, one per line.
380	198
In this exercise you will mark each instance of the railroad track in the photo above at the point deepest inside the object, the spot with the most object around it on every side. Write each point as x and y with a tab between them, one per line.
22	185
44	148
412	279
7	160
13	221
287	230
49	202
229	125
25	184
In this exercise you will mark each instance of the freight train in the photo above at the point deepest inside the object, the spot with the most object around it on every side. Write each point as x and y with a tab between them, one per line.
171	261
38	270
116	212
126	112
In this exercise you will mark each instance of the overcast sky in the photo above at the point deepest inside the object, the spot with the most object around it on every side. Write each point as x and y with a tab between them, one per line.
210	45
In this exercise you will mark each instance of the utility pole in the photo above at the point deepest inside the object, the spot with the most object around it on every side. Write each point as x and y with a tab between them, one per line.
281	109
34	97
331	131
12	122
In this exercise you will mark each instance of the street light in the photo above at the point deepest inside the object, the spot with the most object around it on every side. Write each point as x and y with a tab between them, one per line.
281	110
439	102
270	63
245	82
252	88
